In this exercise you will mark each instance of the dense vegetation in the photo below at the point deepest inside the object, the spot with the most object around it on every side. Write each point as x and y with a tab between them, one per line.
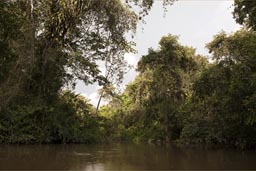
180	96
47	45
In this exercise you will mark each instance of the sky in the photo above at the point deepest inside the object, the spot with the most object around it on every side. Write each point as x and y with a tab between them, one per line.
194	21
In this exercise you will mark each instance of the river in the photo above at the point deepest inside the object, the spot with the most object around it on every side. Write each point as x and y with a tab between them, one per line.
122	157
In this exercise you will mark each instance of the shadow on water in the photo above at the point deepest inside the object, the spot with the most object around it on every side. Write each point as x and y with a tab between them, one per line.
122	157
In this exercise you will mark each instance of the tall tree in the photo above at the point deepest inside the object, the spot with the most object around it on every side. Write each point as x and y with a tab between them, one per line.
171	69
224	94
65	39
150	105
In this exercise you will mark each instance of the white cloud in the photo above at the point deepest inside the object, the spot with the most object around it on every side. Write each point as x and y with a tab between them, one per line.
131	59
102	67
94	98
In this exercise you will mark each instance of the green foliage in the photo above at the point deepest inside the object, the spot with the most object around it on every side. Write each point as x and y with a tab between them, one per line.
245	13
221	110
47	45
69	120
149	107
179	96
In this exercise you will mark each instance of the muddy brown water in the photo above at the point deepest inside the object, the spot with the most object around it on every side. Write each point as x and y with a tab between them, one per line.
122	157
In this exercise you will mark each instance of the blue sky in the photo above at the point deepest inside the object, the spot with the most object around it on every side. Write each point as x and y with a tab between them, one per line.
195	21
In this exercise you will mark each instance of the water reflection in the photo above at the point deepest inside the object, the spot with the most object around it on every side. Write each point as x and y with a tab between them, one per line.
94	167
121	157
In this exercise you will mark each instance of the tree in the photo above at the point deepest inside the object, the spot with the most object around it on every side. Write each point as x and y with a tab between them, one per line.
115	68
66	45
245	13
223	93
46	45
149	107
68	37
171	66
